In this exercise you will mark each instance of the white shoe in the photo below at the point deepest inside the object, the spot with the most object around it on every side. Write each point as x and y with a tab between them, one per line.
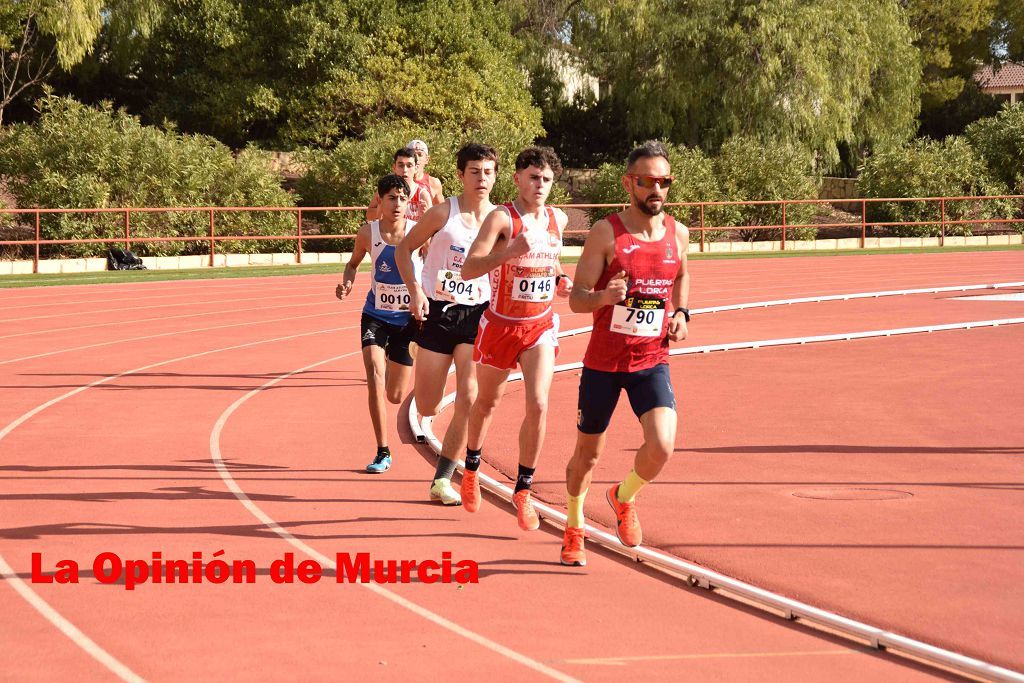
442	490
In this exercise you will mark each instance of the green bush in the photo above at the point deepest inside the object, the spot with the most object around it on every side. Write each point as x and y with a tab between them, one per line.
348	174
745	170
930	168
695	182
1000	142
750	170
76	156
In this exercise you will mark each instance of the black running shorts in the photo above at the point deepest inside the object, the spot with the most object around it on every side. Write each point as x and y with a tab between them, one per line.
394	339
448	325
599	393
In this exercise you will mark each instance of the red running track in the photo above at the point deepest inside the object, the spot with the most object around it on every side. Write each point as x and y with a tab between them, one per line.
128	465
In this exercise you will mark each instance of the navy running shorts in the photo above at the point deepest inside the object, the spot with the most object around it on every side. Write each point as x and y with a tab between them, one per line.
599	394
394	339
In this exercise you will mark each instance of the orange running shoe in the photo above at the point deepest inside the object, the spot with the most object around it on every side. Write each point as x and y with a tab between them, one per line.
627	526
527	516
470	490
573	554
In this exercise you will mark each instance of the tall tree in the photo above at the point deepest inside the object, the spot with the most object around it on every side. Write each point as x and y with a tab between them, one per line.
815	73
298	72
953	37
39	36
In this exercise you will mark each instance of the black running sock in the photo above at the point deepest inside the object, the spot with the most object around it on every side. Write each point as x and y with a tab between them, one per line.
382	451
525	478
445	468
473	459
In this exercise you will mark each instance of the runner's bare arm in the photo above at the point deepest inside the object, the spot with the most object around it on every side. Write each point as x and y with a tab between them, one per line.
598	251
359	251
373	210
421	233
491	248
677	330
436	193
565	283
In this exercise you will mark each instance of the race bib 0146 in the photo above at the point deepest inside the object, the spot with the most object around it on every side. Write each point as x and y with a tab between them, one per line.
533	289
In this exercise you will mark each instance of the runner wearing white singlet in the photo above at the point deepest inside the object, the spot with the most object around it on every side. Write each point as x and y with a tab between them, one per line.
447	306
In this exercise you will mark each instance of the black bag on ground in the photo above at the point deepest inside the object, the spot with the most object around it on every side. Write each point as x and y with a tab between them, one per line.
119	259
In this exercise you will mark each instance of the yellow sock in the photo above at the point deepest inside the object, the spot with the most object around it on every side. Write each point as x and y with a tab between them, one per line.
630	486
575	506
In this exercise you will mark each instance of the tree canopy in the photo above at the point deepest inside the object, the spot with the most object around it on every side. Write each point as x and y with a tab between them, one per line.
815	74
313	72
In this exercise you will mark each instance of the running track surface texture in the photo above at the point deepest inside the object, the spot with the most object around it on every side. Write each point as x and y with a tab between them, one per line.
877	478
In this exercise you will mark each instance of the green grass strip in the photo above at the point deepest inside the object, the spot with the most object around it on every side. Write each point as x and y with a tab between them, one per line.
118	276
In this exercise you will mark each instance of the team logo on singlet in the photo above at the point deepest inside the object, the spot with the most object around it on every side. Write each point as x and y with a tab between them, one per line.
384	267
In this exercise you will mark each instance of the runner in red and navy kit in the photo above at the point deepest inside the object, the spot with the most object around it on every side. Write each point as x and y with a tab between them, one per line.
519	245
632	276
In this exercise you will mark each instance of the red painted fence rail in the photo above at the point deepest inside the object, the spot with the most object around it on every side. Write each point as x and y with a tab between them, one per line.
699	211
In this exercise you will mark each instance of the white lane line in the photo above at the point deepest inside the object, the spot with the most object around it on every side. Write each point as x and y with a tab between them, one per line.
165	334
44	608
102	311
1019	296
135	321
325	561
66	627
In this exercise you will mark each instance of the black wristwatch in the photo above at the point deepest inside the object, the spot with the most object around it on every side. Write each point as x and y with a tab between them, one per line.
684	311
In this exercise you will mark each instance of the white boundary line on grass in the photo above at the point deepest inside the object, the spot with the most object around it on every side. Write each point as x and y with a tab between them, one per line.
696	575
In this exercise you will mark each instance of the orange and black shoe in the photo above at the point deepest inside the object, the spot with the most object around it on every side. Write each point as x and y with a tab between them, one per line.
525	514
573	554
470	490
627	525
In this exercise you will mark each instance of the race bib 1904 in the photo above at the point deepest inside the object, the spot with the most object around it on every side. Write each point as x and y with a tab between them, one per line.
533	289
638	317
391	297
451	287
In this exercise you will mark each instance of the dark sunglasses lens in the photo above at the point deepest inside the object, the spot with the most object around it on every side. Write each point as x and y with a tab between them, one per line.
648	182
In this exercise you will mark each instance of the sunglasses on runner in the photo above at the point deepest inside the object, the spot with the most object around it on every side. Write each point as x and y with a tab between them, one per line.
649	181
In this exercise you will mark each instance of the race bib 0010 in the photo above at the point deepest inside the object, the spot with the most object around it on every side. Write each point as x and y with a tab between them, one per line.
638	317
391	297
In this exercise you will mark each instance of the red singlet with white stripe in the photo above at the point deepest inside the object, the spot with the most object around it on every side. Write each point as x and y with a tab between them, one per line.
524	287
632	335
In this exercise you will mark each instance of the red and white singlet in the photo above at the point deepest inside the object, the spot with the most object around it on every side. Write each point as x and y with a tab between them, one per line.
523	288
632	335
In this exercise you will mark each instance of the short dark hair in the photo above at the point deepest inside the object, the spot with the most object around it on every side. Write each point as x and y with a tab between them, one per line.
407	152
390	182
649	149
539	157
474	151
